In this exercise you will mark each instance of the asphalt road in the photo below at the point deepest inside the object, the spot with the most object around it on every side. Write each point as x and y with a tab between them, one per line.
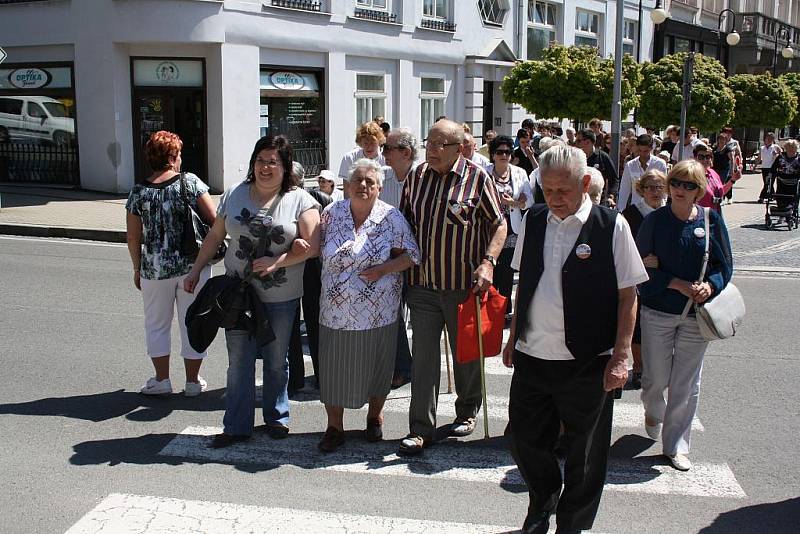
81	448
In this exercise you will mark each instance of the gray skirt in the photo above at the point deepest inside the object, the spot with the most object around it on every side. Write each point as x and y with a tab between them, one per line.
355	365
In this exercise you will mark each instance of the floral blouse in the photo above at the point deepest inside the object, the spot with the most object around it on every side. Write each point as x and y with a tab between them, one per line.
348	302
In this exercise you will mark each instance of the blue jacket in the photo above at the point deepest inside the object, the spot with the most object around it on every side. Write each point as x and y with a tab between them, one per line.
680	255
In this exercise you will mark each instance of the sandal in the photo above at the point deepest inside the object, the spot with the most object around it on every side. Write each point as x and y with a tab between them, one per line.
374	431
331	440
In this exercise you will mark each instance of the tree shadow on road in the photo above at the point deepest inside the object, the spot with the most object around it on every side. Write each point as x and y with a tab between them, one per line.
775	518
112	404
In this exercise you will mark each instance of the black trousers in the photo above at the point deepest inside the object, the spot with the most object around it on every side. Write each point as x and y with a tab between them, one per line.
766	178
312	287
504	275
543	394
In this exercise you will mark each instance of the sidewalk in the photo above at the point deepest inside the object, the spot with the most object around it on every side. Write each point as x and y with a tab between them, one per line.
53	212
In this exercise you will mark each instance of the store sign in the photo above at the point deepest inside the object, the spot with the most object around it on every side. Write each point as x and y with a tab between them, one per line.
29	78
167	73
288	81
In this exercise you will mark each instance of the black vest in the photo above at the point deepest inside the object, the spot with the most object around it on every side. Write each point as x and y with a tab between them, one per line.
589	285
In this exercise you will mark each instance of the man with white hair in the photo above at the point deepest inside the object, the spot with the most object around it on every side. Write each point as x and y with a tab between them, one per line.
469	152
570	342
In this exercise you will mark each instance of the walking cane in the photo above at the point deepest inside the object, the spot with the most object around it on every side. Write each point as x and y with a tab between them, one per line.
483	371
447	353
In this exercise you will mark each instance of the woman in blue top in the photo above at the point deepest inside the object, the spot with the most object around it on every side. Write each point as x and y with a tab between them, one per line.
672	242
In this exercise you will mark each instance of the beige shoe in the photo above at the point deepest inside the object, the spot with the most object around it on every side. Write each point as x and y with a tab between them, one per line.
652	428
679	461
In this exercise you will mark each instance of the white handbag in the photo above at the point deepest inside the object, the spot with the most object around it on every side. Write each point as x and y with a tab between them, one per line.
720	316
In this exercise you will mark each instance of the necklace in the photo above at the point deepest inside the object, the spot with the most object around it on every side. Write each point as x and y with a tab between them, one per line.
503	177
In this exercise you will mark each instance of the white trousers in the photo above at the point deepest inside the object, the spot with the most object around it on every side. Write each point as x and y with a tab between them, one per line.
160	298
672	360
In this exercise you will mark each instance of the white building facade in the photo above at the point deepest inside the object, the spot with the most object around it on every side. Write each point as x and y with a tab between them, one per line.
223	73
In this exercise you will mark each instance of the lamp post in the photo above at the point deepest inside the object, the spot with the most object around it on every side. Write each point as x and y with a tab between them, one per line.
732	38
787	51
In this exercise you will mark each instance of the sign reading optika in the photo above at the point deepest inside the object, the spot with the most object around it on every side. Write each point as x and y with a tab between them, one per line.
29	78
288	81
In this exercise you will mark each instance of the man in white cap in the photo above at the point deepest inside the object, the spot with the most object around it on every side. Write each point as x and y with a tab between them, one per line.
329	183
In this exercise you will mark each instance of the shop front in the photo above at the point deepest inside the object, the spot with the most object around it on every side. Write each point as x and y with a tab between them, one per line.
170	94
292	104
37	124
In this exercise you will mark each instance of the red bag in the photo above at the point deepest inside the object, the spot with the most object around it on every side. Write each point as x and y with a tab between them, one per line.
493	315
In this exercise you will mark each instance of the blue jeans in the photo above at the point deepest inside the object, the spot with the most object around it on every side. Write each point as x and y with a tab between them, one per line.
240	396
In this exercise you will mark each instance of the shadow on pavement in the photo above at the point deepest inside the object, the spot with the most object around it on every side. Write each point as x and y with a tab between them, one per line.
142	450
763	227
112	404
775	518
630	446
17	197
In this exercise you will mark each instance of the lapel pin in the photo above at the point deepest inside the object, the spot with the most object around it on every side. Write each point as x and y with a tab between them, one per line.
583	251
699	232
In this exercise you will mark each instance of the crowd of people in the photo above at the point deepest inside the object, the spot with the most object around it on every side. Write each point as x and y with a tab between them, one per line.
608	263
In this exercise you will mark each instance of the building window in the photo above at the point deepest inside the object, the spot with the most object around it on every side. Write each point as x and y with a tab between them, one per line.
541	27
493	11
370	97
587	29
435	9
432	100
372	4
629	38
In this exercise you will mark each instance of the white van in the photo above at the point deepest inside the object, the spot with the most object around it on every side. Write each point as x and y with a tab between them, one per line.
41	118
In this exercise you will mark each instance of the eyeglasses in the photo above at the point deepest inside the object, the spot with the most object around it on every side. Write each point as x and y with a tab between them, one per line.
654	187
703	157
267	163
688	186
502	152
431	145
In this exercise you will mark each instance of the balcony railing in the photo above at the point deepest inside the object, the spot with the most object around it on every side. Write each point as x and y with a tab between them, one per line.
756	25
439	25
305	5
375	14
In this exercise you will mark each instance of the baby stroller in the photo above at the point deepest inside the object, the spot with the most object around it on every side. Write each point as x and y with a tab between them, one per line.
781	202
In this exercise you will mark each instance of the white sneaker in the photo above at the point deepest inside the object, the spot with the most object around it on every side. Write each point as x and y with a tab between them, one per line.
654	431
193	389
679	461
156	387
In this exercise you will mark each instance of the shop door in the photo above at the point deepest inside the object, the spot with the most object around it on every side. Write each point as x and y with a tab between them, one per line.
175	110
488	106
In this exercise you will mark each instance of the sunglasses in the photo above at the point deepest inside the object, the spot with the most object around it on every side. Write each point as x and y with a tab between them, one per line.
688	186
502	152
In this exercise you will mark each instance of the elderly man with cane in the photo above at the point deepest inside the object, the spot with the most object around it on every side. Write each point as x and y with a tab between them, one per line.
570	342
454	211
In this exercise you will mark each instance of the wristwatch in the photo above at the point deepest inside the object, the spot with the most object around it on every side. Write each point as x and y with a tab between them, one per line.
490	259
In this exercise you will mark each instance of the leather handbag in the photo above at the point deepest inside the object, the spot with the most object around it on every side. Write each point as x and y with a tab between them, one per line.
195	230
721	316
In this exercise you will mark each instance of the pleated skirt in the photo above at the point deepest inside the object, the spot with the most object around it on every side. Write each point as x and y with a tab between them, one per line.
355	365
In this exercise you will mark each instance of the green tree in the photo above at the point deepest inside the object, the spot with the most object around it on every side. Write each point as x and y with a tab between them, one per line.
661	93
571	82
792	81
762	101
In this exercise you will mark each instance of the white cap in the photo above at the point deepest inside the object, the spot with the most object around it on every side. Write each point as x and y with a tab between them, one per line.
329	175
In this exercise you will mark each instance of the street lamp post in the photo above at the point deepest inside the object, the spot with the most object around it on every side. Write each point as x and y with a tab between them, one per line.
787	51
732	38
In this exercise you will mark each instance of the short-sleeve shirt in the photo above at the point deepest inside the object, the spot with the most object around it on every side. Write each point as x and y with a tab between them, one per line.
163	214
347	301
452	217
351	157
768	155
246	221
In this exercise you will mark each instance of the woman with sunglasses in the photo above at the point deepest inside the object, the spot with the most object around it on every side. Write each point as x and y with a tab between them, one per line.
516	195
715	191
672	242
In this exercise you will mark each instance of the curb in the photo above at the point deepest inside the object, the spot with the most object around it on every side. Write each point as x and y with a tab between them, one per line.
766	269
89	234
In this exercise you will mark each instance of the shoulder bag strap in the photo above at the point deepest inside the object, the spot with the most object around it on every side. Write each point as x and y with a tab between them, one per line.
706	225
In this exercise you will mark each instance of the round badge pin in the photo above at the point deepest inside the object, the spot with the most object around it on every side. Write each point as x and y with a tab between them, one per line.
699	232
583	251
456	208
267	220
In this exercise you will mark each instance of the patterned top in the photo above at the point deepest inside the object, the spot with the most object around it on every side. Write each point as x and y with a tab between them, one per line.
246	221
347	301
163	214
452	218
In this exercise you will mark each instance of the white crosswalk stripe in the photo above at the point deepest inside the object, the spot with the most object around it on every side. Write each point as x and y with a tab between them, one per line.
121	513
471	461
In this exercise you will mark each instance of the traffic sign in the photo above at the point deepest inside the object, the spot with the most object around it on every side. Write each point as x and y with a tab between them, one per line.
3	55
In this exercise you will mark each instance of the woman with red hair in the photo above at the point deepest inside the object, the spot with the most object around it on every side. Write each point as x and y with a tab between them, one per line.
155	219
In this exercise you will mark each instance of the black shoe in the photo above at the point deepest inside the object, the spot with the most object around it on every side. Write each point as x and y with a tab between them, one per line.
568	531
277	431
225	440
399	380
536	523
636	380
374	431
331	440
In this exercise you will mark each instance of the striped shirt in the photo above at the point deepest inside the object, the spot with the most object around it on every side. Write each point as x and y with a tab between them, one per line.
452	218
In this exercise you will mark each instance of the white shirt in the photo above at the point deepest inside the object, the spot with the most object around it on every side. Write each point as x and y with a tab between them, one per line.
768	155
480	160
687	150
633	171
337	194
351	157
545	338
392	187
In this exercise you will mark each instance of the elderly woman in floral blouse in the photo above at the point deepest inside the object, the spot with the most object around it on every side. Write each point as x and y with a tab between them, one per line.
365	245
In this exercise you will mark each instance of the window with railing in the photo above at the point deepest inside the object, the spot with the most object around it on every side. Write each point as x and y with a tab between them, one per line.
587	28
541	27
714	6
432	99
629	37
370	97
375	10
493	11
303	5
435	9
